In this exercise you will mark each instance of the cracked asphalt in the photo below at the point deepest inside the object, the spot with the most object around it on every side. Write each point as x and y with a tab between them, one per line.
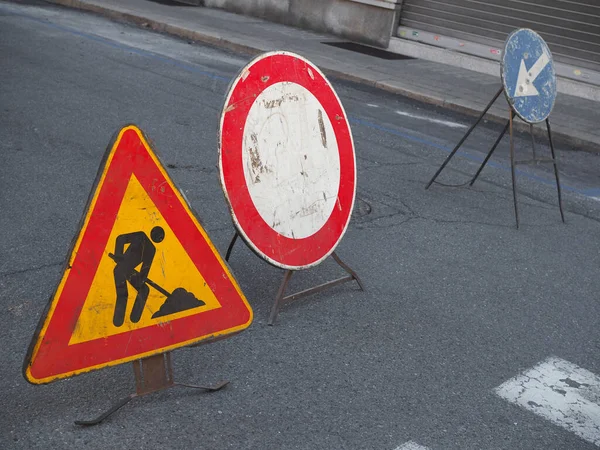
457	300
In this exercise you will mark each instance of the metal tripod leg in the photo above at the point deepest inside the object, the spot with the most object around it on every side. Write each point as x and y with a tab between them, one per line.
344	266
112	410
491	152
558	188
532	140
231	244
280	299
464	138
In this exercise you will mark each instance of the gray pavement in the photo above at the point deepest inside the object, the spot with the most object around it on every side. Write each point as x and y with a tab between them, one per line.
457	301
575	119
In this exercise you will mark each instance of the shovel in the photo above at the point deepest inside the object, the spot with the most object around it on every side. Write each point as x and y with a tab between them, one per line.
148	280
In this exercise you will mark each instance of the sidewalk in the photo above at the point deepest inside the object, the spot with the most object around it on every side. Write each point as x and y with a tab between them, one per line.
575	120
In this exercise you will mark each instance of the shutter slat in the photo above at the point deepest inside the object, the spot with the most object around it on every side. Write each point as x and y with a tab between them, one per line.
570	27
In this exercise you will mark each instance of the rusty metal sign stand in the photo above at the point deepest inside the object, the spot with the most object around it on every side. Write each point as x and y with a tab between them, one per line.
513	161
152	374
280	299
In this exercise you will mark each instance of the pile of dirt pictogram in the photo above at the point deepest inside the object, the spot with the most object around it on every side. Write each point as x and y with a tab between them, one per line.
179	300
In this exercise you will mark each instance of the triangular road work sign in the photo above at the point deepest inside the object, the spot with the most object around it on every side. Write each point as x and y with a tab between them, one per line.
142	276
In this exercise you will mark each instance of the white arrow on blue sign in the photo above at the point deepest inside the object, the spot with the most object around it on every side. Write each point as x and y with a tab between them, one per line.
528	75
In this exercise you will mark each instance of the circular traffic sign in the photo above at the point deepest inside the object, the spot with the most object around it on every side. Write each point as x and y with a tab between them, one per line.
528	75
286	160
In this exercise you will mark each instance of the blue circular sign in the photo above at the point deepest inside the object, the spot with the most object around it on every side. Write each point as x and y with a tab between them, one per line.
528	75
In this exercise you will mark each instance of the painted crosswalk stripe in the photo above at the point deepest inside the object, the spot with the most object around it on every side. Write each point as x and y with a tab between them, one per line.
562	392
410	445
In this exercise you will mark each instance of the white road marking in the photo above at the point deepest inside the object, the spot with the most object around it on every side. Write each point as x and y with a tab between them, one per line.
446	123
565	394
410	445
372	105
291	160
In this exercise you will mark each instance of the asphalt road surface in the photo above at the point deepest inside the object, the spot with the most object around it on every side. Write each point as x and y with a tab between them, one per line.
457	300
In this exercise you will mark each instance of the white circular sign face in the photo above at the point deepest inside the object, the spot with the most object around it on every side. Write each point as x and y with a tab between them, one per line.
286	160
291	160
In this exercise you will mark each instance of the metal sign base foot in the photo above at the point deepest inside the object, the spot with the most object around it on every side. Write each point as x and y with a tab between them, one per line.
280	298
152	374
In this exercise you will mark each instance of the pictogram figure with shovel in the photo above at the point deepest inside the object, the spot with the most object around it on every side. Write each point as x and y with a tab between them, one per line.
141	250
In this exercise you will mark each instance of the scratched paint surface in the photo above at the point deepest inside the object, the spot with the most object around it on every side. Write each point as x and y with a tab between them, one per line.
172	268
286	160
290	149
528	75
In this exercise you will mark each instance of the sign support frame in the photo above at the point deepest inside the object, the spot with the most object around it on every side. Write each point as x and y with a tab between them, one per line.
152	374
513	162
281	298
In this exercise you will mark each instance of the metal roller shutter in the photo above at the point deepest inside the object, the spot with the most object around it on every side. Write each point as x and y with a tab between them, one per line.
570	27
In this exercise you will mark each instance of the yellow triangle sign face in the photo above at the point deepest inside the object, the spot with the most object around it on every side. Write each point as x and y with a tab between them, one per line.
96	318
142	277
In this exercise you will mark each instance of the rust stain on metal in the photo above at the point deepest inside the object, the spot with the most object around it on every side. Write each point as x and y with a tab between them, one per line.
338	117
264	78
322	128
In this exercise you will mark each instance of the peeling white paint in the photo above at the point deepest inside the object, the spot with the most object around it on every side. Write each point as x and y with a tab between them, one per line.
291	160
561	392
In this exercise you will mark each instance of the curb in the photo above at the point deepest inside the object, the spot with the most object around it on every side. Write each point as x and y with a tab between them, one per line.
157	26
559	137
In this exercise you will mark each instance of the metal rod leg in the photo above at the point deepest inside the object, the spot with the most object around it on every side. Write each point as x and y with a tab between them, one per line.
280	295
562	214
464	138
532	139
100	418
490	153
343	265
212	388
231	244
512	169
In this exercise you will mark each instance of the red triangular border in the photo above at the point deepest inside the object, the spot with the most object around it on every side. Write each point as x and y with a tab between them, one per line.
50	356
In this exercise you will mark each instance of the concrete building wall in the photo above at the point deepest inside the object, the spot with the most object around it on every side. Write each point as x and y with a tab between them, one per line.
368	21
